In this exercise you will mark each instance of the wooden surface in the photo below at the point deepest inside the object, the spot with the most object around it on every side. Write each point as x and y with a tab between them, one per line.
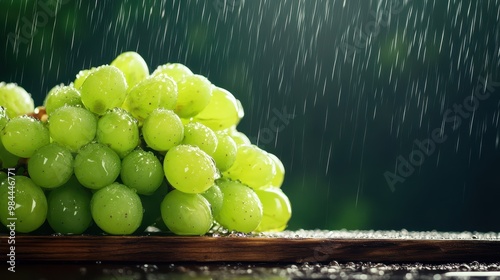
157	249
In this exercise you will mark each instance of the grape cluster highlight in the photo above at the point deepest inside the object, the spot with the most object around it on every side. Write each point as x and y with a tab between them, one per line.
122	150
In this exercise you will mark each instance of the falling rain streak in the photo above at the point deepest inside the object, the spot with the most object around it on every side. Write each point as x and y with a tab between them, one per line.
359	80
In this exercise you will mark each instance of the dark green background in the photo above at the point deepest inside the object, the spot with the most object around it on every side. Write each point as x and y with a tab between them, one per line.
407	63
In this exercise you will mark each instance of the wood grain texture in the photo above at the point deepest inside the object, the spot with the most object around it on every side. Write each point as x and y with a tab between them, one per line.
157	249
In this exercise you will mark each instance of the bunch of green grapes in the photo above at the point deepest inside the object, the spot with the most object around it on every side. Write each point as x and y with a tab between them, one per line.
121	150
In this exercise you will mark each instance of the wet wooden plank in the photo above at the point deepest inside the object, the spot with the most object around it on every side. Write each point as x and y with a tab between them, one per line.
159	249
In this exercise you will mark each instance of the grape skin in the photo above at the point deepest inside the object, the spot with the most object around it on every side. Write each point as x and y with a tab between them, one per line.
221	112
276	209
51	166
105	88
15	99
60	96
152	93
252	166
96	166
197	134
162	130
215	198
117	209
225	153
22	135
195	92
176	71
69	208
119	130
31	204
241	208
142	171
186	214
133	66
72	127
189	169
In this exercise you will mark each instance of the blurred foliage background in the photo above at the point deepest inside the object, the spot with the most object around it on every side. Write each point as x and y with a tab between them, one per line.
363	79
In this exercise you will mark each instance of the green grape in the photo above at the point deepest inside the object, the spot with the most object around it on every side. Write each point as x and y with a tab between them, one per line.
195	92
186	214
176	71
155	92
221	112
15	100
142	171
197	134
82	76
225	154
253	167
23	204
104	89
189	169
119	130
214	197
239	137
116	209
276	209
7	159
69	208
162	130
22	135
4	119
72	127
241	112
241	208
51	166
133	66
278	179
152	210
96	166
60	96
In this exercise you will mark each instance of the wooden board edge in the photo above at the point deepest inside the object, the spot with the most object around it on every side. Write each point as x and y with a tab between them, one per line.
159	249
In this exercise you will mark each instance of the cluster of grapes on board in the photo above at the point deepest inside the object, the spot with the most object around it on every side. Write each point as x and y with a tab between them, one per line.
121	149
